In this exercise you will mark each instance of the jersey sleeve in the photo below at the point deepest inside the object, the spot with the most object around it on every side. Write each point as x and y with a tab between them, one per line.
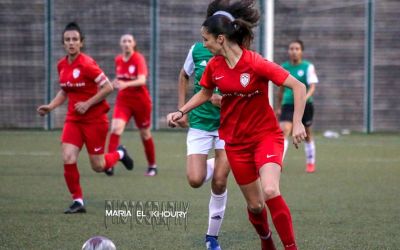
188	66
311	74
142	66
206	80
271	71
93	72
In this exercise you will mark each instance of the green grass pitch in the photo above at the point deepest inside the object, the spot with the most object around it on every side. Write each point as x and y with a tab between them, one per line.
351	202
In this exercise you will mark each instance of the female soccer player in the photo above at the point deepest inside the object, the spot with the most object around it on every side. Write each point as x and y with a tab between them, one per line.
84	84
133	100
304	71
253	139
201	138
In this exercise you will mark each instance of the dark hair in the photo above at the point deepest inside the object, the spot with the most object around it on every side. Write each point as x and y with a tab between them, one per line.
238	30
73	26
300	42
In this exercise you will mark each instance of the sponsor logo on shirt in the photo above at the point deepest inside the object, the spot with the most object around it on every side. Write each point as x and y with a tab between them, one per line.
245	79
131	69
300	72
76	73
72	84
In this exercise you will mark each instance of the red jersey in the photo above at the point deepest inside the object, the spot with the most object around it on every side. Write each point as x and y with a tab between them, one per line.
128	71
246	115
81	80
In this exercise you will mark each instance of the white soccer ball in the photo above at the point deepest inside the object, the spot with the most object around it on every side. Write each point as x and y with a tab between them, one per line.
98	243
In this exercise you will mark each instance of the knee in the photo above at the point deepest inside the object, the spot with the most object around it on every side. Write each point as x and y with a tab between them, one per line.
195	181
255	207
97	167
271	192
218	185
145	134
117	129
69	158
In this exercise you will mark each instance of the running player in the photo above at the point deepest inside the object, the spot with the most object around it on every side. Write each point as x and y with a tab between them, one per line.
85	86
203	137
304	71
253	139
133	100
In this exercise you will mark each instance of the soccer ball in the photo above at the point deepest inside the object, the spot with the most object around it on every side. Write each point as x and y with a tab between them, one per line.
98	243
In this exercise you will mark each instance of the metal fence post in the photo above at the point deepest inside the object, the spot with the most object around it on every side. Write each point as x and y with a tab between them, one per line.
48	59
154	60
369	66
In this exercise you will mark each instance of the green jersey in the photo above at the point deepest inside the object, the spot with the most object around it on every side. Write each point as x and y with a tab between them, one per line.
205	117
305	73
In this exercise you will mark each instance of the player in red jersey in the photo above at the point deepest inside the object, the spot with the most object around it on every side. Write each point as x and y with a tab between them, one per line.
254	141
133	100
85	86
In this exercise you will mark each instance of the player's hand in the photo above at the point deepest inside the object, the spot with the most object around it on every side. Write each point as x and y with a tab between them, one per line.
278	112
183	122
115	83
122	85
173	118
43	110
216	100
298	133
81	107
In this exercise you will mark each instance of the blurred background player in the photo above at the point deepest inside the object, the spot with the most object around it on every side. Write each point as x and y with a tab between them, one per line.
85	86
203	137
133	100
254	141
304	71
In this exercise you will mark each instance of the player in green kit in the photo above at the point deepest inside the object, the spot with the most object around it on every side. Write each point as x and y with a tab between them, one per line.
202	137
304	71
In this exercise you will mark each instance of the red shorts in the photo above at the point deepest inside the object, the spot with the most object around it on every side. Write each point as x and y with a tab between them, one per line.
139	110
93	135
247	159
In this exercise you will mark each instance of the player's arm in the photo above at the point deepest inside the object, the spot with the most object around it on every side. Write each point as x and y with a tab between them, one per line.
278	109
216	99
58	100
299	93
310	91
198	99
312	79
183	81
105	89
139	81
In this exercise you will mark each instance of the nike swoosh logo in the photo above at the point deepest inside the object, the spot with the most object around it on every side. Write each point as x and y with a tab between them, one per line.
97	149
219	77
269	156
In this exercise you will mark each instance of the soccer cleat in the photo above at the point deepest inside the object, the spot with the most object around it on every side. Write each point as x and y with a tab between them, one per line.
109	172
76	207
212	243
310	168
126	160
151	171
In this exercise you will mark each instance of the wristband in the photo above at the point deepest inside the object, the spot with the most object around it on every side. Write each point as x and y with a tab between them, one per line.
181	112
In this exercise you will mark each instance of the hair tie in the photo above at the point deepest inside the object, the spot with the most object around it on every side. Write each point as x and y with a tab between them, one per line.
224	13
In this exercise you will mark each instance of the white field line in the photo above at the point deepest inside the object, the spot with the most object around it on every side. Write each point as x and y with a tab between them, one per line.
21	153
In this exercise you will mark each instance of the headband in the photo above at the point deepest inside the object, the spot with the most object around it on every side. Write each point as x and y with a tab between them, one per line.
224	13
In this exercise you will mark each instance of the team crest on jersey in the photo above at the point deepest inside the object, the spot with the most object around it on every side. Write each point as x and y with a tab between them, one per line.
76	73
131	69
244	79
300	73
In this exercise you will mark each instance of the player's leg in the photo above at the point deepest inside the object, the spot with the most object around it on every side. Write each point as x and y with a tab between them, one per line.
309	145
142	117
243	168
198	169
219	195
72	141
286	124
95	136
280	213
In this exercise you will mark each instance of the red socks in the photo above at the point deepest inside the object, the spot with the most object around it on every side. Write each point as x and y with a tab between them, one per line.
111	159
282	219
113	142
149	151
71	175
260	223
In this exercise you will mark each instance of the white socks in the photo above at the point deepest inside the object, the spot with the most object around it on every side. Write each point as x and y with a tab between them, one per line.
121	154
309	149
285	147
79	200
210	169
216	211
